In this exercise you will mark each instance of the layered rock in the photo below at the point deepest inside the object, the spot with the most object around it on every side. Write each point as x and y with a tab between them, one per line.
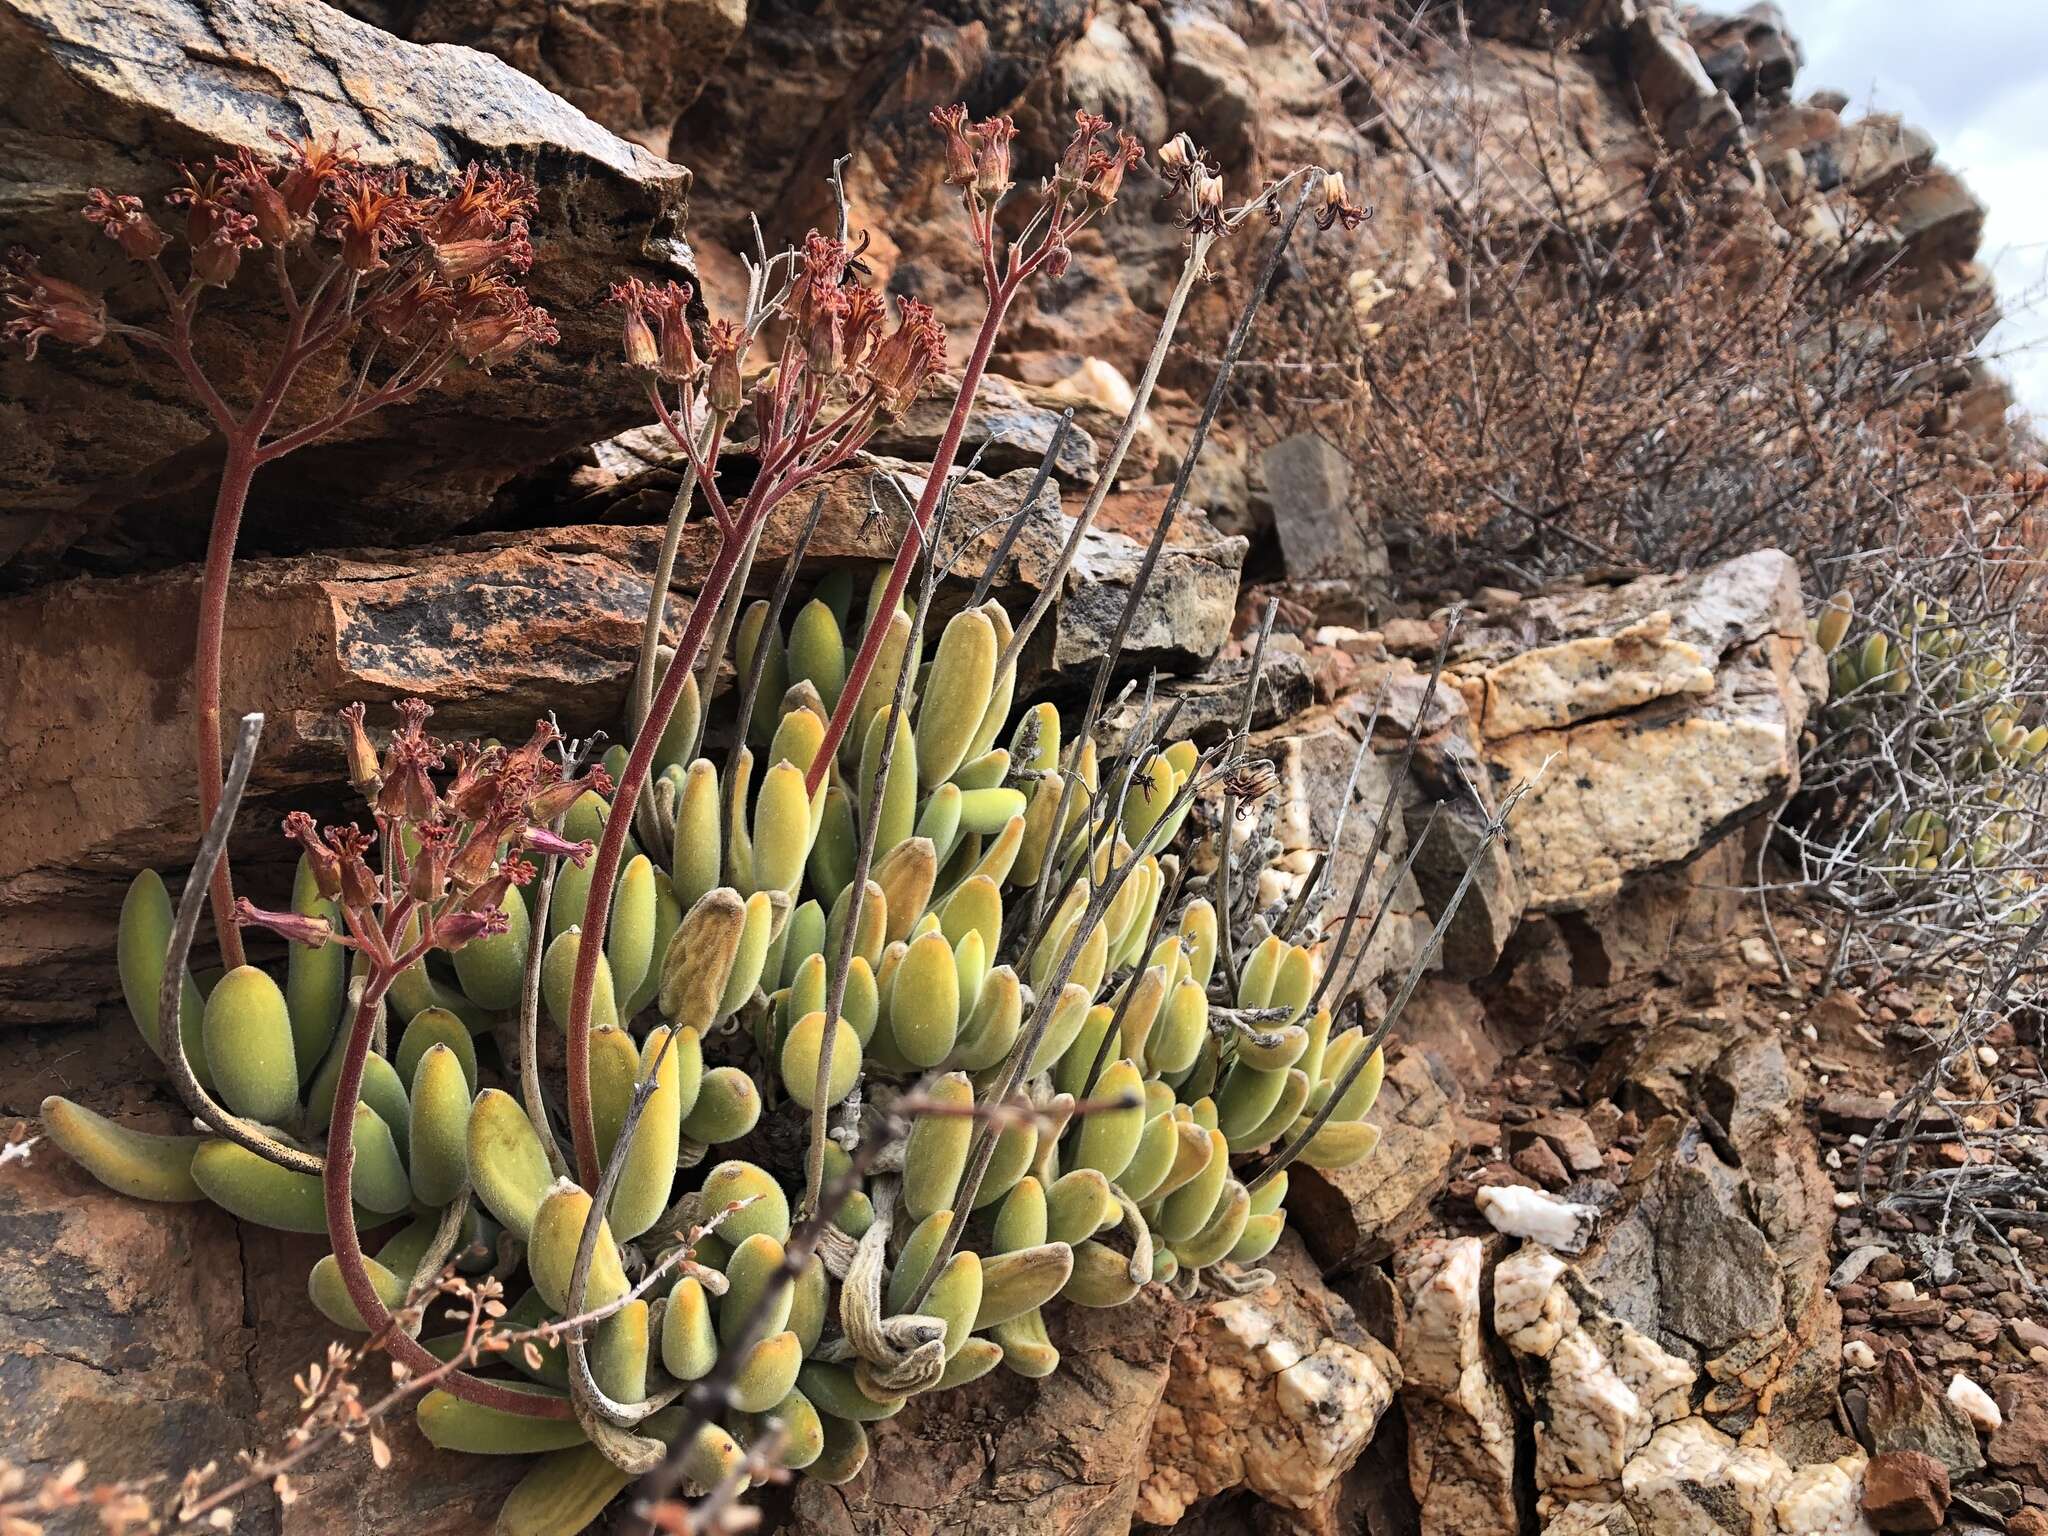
494	631
104	448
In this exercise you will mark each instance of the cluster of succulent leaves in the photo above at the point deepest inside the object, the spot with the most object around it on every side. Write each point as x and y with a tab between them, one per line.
1154	1076
1969	734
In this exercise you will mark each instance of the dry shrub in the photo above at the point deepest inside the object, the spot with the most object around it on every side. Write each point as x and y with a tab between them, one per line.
1619	357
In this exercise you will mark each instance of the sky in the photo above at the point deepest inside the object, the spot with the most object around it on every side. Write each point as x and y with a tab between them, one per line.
1974	75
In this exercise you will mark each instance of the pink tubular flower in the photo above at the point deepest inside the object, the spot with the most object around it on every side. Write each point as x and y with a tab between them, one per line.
543	841
642	350
555	799
722	387
992	157
49	306
359	888
454	929
250	178
483	204
218	258
952	122
1106	170
1074	158
906	358
510	252
322	860
125	222
313	932
373	211
312	167
489	336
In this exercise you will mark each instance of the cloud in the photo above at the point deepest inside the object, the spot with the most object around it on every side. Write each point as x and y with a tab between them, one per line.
1972	73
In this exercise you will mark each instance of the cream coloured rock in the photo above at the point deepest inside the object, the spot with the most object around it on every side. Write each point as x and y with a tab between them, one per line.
1584	1519
1824	1498
1542	1218
1599	1389
1556	686
1275	1393
1975	1403
1692	1480
1650	718
1461	1425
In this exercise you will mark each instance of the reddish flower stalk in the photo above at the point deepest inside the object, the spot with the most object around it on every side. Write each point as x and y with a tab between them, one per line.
835	377
447	893
413	282
1083	187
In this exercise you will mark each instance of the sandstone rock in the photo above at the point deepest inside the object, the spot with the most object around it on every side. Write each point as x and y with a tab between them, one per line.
1637	786
632	67
1749	55
1489	908
1875	154
1313	755
493	630
1276	1392
149	1339
1686	106
1108	71
2020	1443
1213	702
105	448
1359	1215
1905	1491
1066	1455
1461	1424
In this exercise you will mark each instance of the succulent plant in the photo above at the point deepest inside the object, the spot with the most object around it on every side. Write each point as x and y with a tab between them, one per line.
1941	696
1155	1074
900	1026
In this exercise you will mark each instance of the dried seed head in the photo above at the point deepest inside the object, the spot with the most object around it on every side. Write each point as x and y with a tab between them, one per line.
364	774
1334	207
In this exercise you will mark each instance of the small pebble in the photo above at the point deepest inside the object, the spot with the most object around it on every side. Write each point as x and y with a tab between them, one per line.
1859	1356
1975	1403
1845	1200
1987	1055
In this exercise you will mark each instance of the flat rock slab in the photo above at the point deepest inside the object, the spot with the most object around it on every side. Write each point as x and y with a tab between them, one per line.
1651	718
